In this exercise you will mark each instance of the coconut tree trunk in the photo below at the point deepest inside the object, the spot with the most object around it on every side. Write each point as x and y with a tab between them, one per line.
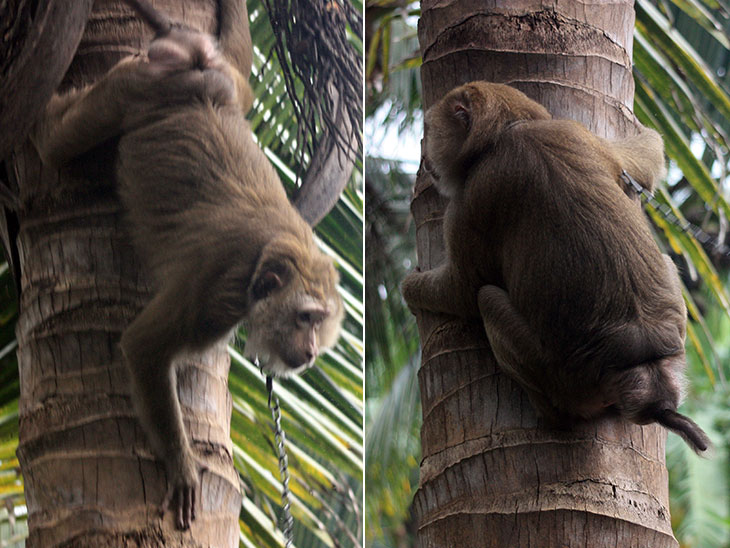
90	477
490	475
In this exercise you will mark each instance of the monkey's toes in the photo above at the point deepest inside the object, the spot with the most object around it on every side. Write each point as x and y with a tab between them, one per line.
184	50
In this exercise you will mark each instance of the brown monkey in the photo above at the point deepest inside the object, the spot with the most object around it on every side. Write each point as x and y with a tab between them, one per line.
579	305
208	215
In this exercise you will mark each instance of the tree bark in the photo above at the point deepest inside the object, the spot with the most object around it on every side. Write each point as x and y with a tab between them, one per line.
90	477
492	475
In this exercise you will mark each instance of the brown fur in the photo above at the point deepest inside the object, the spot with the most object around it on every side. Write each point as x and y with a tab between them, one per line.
210	218
579	305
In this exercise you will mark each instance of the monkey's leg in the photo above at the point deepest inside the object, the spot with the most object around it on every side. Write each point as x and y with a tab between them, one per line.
516	348
76	122
235	42
148	345
439	290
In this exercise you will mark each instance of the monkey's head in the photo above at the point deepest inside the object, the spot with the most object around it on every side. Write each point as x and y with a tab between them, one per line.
295	310
651	392
465	123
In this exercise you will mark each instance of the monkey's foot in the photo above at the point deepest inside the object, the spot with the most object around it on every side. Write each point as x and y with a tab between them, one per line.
184	49
183	485
188	63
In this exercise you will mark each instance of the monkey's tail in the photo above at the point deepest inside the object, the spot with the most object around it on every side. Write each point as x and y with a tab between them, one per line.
159	22
687	428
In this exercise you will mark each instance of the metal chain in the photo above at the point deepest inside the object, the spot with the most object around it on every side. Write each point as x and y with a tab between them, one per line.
685	226
280	440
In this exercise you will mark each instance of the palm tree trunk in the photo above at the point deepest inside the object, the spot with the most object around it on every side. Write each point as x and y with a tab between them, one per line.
90	477
490	477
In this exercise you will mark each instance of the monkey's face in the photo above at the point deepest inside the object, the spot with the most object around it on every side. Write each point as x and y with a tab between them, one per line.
295	313
289	343
466	123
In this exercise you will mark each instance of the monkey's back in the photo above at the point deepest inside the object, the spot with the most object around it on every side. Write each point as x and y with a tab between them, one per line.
574	253
195	183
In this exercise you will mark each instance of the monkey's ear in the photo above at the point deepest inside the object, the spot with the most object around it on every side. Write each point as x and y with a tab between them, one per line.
461	110
267	279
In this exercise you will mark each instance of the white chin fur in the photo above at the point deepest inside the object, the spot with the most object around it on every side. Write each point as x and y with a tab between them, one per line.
277	368
271	365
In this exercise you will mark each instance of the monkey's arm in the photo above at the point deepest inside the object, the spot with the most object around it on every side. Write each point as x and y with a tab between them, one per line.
196	306
148	344
641	155
439	290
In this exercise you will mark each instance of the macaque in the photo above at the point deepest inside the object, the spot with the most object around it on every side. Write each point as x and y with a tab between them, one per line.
580	307
209	218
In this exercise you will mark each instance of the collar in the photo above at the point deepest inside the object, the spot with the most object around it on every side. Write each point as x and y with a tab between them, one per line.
471	160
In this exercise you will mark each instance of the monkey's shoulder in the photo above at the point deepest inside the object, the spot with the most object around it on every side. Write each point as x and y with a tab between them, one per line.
560	154
551	138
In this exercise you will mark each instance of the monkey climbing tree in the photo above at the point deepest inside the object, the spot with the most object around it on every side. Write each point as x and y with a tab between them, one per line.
491	475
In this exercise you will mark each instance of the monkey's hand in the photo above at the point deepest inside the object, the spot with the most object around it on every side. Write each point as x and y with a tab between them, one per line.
183	486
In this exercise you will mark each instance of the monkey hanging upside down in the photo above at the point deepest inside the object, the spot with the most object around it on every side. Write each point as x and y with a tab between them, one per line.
579	305
208	215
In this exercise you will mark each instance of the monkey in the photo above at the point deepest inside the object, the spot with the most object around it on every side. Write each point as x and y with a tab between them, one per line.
208	216
579	305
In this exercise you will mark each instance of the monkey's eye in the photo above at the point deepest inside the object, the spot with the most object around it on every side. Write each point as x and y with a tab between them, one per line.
304	317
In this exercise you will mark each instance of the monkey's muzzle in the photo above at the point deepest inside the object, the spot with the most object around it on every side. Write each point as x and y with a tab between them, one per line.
275	366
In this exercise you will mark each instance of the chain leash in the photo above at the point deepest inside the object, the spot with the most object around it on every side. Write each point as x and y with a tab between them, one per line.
665	211
286	518
280	439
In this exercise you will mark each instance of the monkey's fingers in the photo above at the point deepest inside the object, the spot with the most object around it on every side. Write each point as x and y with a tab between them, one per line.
167	500
167	55
184	503
182	497
185	506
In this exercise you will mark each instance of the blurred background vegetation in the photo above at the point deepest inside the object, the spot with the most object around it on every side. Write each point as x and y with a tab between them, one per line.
322	411
681	65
